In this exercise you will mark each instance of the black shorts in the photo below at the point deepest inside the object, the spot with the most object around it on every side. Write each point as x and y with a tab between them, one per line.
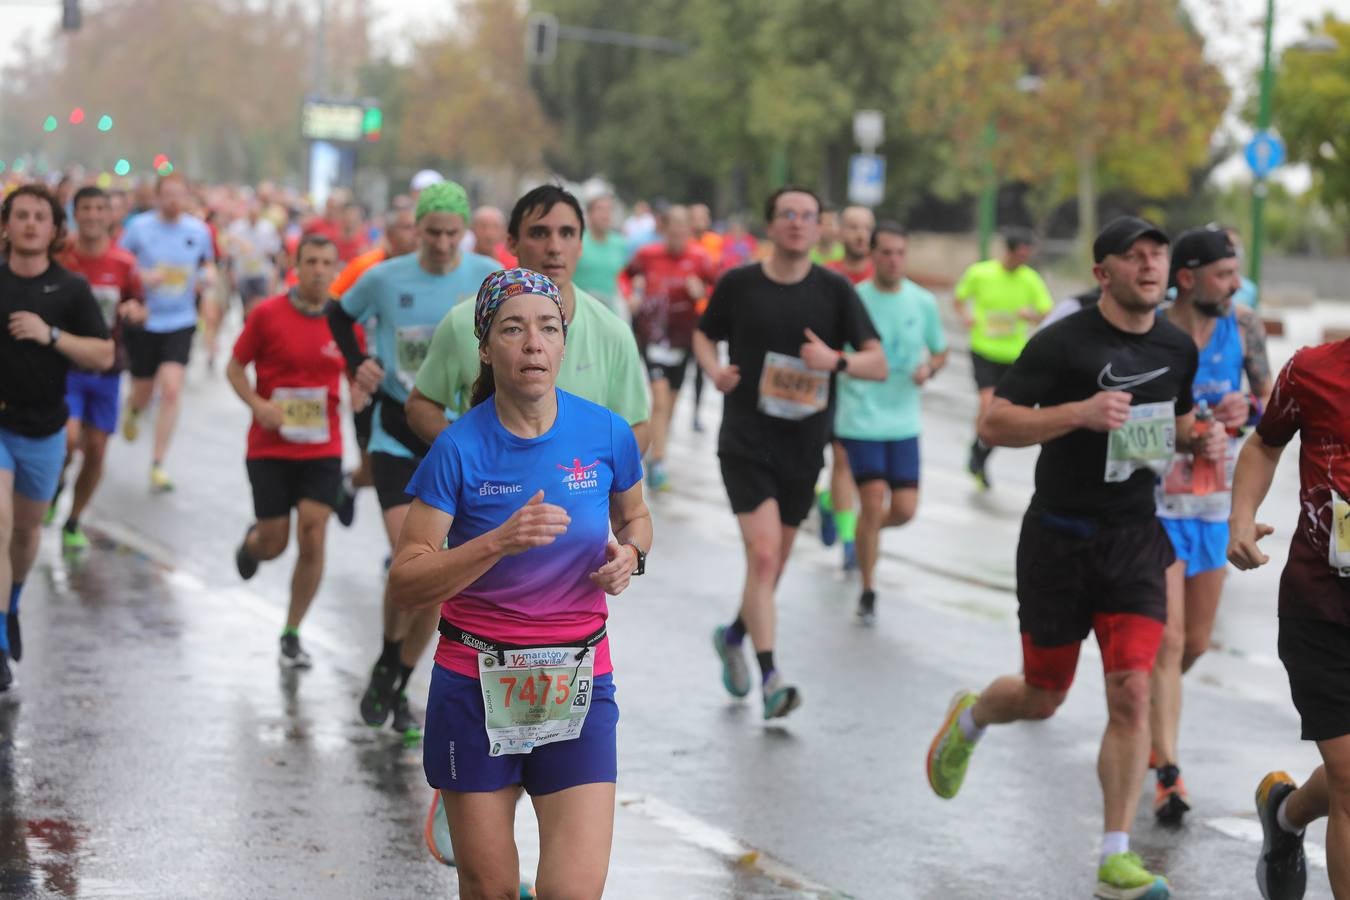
391	475
280	484
672	372
252	289
1316	655
750	482
363	421
987	372
1070	570
148	350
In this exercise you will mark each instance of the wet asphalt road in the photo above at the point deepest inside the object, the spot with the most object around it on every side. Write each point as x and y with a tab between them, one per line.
152	748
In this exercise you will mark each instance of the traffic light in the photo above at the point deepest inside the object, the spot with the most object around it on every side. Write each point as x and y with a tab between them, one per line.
372	123
541	38
70	15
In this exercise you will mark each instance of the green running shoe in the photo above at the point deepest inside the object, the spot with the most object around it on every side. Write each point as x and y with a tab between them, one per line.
73	541
1123	877
949	754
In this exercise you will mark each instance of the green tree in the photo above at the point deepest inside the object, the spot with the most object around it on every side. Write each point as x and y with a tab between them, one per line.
1311	110
1085	96
767	90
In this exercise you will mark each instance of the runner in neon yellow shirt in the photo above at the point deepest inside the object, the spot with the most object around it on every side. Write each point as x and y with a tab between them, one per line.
999	300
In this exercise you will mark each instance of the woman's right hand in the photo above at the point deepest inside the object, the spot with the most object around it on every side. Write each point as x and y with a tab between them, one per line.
536	524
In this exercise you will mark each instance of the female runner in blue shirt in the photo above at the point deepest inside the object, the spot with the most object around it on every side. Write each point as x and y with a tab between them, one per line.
527	485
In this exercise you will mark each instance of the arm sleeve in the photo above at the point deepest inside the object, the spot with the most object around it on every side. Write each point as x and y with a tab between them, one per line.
858	327
1186	402
628	384
343	327
132	288
933	334
634	267
1280	421
1030	379
964	286
1041	298
439	477
439	376
627	459
716	319
246	346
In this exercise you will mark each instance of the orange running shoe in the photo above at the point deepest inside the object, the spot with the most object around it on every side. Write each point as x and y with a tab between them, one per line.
1171	803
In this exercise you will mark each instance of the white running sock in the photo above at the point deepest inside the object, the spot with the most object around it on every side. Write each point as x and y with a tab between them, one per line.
1114	842
1282	819
969	729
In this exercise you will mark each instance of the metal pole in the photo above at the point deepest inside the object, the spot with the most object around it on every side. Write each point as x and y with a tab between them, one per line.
1259	183
988	208
987	211
321	51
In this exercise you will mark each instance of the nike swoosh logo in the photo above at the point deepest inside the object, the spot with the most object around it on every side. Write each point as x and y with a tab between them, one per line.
1109	381
48	288
581	367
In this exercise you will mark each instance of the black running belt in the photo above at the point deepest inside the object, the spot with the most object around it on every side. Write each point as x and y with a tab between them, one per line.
486	645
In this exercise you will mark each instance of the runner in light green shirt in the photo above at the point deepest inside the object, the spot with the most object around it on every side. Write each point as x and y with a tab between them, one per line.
906	316
604	253
877	423
999	300
600	361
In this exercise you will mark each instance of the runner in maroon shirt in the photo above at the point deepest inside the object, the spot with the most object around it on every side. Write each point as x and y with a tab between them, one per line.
1311	399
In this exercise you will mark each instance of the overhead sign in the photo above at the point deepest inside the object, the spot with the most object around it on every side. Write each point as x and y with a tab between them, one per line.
332	120
866	179
869	127
1264	152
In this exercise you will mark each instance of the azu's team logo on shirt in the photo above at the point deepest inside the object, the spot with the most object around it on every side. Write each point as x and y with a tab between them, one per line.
581	477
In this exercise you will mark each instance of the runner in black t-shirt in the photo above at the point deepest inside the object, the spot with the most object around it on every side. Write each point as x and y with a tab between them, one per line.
1107	394
786	322
51	320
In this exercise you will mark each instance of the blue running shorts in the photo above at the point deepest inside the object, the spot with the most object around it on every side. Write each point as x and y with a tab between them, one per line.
455	745
35	462
93	398
1204	545
894	462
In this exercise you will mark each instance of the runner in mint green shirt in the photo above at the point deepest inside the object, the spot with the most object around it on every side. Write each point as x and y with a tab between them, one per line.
999	300
878	422
604	253
601	361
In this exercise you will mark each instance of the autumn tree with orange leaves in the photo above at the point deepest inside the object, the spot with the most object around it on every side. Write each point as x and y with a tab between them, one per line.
1085	96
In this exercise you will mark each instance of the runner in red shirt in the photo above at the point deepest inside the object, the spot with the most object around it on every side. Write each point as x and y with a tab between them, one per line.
1310	400
669	279
294	454
93	397
855	227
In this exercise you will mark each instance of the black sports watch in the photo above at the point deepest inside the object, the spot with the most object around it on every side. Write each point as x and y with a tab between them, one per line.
642	559
53	336
842	364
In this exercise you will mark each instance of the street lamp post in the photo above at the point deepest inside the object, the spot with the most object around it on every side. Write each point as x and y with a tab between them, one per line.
1259	187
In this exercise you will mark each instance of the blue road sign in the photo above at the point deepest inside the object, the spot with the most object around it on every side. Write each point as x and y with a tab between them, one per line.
1264	152
866	179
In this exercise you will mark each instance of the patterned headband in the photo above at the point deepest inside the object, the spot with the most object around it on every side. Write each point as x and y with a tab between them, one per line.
502	285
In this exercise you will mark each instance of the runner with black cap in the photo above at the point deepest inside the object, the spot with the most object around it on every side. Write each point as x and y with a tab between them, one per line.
1107	393
1193	504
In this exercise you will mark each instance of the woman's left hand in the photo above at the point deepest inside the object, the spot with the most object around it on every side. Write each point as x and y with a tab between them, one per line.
615	574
